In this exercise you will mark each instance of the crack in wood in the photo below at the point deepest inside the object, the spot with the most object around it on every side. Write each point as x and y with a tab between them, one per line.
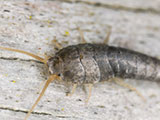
19	59
23	111
115	6
37	113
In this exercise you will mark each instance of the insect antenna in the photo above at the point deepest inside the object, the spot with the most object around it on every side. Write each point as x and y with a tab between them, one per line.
26	53
50	79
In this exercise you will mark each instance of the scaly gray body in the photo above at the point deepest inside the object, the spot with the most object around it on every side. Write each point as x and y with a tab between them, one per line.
91	63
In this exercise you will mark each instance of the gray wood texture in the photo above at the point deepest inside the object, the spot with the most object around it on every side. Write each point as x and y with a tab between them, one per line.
33	25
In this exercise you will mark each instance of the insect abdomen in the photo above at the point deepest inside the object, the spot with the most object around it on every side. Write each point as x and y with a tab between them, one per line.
129	64
124	63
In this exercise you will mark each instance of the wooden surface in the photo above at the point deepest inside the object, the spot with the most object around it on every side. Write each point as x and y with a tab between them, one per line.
32	26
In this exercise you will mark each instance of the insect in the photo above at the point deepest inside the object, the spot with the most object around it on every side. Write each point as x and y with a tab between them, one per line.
91	63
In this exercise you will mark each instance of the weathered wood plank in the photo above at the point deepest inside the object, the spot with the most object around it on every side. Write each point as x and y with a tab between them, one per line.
32	26
126	5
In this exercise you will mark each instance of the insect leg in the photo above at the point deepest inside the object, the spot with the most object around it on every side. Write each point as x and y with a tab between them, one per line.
50	79
90	86
57	44
73	90
81	35
122	83
106	41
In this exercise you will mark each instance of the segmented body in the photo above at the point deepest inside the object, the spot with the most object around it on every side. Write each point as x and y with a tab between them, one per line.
91	63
